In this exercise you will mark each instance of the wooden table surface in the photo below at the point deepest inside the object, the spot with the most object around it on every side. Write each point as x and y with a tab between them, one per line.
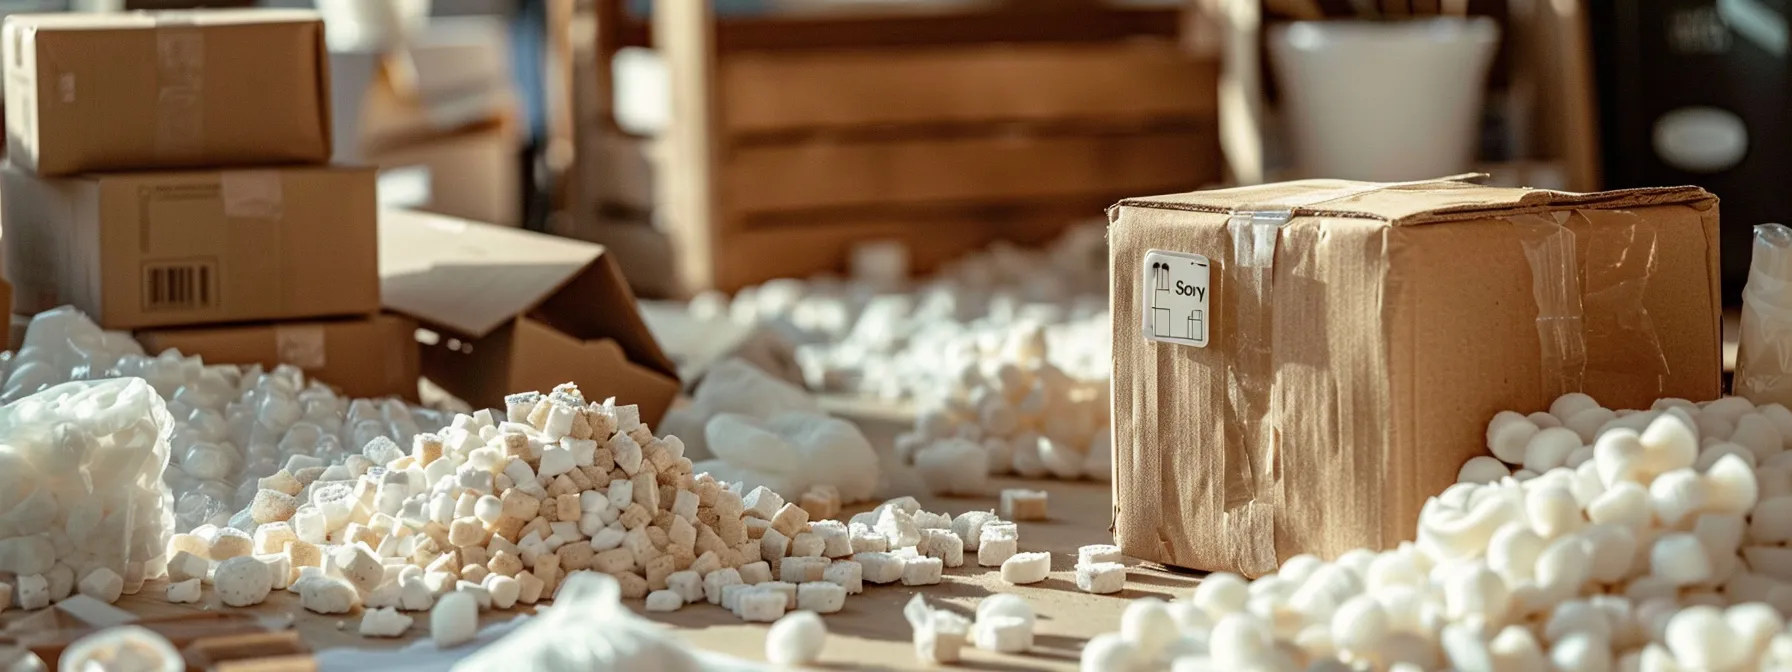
870	633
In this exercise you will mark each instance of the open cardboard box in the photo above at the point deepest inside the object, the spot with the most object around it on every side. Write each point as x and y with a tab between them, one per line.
518	311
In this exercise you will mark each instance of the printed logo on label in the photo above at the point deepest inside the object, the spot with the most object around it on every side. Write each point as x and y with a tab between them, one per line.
1176	304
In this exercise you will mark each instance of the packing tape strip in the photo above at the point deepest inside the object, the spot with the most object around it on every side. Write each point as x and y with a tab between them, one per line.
1549	248
1250	460
180	87
301	346
253	194
1589	289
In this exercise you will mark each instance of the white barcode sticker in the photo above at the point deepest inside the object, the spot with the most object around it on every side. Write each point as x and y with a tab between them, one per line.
1176	305
185	284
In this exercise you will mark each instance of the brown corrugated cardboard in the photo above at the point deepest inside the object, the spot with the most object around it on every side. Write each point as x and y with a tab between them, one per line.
474	174
98	92
136	250
1395	320
520	311
452	77
363	357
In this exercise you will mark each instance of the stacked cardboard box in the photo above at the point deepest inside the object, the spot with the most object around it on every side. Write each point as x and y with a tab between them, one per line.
168	174
440	113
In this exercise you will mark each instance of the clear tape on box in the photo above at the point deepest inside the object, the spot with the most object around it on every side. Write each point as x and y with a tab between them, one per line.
1589	287
1764	349
233	425
1618	256
80	481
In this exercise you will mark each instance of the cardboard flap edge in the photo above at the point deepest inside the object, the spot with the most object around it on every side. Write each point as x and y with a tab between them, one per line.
159	18
427	262
1408	205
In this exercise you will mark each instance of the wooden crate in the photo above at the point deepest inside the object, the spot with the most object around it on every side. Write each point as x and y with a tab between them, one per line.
794	137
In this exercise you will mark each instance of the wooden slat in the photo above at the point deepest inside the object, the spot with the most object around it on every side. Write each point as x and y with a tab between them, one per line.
779	91
1049	24
811	244
686	184
986	168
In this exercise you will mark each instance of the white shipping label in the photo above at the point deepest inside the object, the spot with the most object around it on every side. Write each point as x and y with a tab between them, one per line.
1176	301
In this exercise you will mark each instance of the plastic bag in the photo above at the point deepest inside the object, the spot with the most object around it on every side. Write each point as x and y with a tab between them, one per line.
63	345
232	425
1764	353
81	481
589	629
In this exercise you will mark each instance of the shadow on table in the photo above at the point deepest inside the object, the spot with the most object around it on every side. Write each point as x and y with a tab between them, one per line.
1130	592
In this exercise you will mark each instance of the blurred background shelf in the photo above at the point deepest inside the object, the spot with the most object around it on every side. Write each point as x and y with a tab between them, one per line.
792	135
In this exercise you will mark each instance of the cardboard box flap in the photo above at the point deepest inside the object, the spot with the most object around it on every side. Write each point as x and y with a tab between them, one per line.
125	20
472	278
1411	203
599	304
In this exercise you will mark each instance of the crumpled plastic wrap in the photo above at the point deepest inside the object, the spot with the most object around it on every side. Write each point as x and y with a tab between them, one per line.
63	345
1764	351
233	424
589	629
790	453
81	481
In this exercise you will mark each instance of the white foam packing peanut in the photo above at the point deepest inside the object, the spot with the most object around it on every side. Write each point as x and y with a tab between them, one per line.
629	506
796	639
81	489
867	335
939	635
386	622
1001	349
1663	550
1012	416
1004	623
232	426
1023	568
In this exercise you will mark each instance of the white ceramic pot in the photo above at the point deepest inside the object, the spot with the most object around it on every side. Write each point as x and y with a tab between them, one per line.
1383	101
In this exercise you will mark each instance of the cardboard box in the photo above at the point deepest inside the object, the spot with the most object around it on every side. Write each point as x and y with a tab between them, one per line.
137	250
474	174
1394	322
138	91
520	311
363	357
642	251
454	76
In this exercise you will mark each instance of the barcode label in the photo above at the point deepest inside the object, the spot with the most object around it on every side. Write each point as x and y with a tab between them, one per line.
184	285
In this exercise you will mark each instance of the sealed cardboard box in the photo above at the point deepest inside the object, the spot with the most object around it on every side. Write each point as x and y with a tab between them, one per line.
1297	367
474	174
138	250
518	311
367	357
101	92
